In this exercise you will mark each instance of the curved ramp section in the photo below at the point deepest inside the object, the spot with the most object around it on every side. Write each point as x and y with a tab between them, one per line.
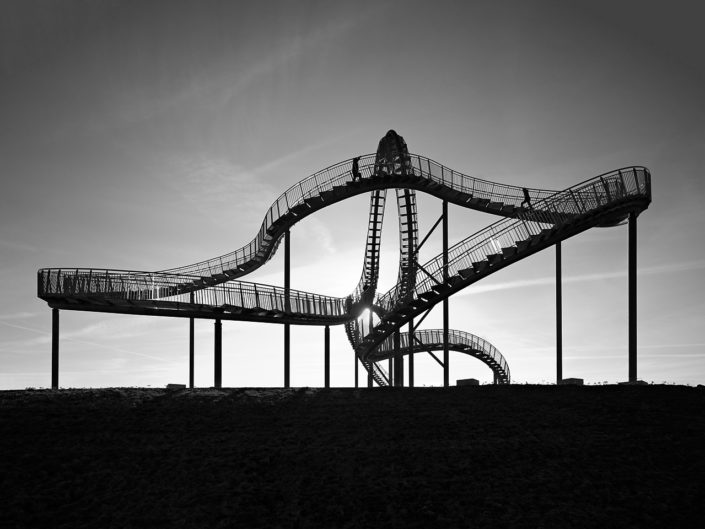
428	340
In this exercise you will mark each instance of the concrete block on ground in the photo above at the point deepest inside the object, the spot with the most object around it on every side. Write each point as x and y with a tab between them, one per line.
176	386
572	382
467	382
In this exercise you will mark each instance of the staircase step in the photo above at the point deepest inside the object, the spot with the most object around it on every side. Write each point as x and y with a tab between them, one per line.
480	266
496	206
523	245
396	316
454	280
508	209
440	288
300	209
467	273
479	202
328	195
509	252
546	232
427	295
314	202
494	258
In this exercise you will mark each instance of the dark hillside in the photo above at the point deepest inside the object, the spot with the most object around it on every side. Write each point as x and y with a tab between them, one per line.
515	456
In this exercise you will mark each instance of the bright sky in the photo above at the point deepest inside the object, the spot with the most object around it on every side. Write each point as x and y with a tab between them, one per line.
148	135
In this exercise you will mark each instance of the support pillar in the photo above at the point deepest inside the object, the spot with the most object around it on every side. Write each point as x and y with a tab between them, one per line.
54	348
370	379
411	353
218	355
190	349
391	372
632	297
287	355
398	361
559	317
326	355
287	306
357	373
446	352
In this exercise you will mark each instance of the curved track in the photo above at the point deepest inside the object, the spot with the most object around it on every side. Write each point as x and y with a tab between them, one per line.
207	289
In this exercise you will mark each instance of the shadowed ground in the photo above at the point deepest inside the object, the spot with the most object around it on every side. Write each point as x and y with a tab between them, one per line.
515	456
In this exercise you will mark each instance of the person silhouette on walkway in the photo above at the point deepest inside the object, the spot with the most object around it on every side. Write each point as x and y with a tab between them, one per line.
527	198
356	169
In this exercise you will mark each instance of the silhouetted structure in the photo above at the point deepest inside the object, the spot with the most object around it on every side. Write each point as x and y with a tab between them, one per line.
373	321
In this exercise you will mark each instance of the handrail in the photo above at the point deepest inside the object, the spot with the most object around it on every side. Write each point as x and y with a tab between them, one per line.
458	340
556	209
338	174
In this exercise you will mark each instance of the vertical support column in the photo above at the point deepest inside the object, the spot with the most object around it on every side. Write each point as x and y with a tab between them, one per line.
398	361
357	373
632	297
326	355
54	348
446	353
218	355
411	353
391	372
370	379
190	349
559	317
287	307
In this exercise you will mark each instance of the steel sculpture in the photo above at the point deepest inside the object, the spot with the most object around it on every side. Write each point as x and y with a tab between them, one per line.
532	220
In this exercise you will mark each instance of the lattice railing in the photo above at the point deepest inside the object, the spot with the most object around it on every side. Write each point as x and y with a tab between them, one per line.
556	209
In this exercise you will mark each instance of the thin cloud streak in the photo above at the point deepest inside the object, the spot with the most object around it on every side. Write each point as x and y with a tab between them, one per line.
547	281
46	334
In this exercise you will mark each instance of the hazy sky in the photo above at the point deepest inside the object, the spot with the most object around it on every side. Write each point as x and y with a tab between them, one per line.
147	135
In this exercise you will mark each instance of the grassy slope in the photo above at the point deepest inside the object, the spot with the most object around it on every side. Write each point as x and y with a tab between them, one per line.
517	456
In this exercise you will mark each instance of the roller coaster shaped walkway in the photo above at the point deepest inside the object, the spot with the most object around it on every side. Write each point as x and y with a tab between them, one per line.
532	220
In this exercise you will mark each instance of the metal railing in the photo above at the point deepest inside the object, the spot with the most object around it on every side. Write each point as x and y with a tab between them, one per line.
337	175
559	208
432	339
146	286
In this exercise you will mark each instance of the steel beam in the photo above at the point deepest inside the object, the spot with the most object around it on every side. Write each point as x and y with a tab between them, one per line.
218	355
446	352
398	361
370	378
357	374
190	349
54	348
411	353
559	317
326	355
632	297
287	307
